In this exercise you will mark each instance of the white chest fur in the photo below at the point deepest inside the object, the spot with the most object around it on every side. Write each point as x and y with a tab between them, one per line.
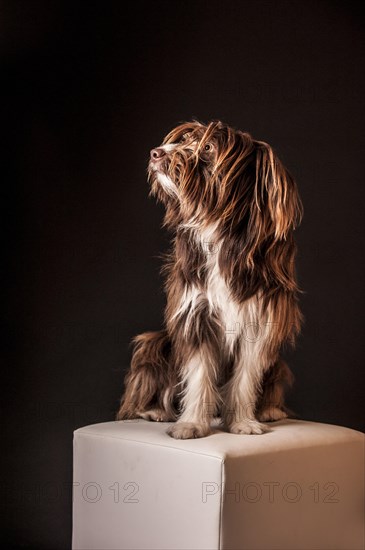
238	321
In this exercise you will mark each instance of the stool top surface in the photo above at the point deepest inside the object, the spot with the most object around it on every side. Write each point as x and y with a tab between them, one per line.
285	435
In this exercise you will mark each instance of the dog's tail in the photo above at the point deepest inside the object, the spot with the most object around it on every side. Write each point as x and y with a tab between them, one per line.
150	386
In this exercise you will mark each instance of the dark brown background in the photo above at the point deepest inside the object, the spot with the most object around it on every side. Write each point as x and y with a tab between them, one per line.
87	89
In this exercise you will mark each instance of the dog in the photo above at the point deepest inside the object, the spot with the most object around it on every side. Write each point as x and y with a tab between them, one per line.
232	295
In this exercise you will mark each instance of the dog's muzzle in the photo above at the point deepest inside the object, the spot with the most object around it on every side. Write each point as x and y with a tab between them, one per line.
156	157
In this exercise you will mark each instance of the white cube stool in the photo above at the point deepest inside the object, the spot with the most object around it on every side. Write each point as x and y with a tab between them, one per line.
300	486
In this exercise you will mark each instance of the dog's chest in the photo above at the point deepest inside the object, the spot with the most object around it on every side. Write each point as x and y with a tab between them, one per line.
233	317
219	296
216	288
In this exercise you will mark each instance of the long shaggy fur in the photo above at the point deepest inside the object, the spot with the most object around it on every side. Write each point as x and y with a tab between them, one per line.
232	296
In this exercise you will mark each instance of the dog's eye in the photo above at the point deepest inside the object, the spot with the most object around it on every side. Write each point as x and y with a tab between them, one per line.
208	147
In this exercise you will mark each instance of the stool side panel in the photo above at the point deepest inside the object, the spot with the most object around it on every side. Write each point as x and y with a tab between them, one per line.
130	495
310	498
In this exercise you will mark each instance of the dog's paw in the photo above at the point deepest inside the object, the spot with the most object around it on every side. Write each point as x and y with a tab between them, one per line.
271	414
155	415
188	430
248	427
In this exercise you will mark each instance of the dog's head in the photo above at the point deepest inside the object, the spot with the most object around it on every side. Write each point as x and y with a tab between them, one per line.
212	173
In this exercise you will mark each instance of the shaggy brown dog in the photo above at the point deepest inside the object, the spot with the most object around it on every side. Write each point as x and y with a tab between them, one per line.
230	284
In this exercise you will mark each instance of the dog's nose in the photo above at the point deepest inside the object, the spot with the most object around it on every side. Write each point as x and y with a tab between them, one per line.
157	154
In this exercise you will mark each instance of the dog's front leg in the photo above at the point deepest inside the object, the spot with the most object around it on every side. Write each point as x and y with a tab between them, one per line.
242	391
200	396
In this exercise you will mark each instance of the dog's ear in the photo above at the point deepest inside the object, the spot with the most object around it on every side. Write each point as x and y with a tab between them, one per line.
276	193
